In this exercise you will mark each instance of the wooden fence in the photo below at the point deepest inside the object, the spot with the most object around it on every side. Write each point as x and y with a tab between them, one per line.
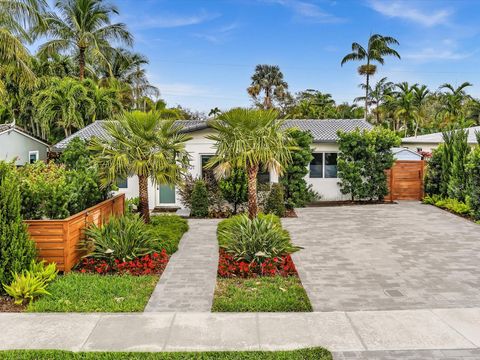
405	180
59	240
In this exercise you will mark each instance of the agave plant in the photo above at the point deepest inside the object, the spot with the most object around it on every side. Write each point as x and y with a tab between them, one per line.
255	240
124	238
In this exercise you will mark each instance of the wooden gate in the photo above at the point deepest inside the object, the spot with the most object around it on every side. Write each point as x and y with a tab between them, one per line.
405	180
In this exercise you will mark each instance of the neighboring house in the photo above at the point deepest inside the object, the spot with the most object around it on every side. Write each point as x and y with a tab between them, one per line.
406	154
430	141
322	170
16	143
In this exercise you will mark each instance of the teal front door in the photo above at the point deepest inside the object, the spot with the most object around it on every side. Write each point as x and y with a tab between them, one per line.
167	194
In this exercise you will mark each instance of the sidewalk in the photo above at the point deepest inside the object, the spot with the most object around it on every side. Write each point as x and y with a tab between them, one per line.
188	282
337	331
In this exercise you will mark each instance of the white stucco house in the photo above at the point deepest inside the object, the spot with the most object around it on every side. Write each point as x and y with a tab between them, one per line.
322	171
19	145
429	142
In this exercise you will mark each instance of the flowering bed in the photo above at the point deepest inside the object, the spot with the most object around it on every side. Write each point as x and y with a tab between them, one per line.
228	267
147	265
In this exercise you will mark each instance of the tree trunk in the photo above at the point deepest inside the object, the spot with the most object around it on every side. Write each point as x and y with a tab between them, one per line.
366	96
143	194
252	172
81	62
267	104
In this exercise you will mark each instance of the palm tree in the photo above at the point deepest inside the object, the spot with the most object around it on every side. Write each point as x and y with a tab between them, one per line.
144	145
214	112
84	26
453	99
377	95
65	103
269	79
378	47
251	140
106	100
16	18
420	97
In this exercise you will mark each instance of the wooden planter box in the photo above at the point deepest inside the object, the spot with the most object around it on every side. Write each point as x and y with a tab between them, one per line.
58	240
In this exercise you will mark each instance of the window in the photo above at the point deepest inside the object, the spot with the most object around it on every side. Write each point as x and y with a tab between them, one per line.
205	172
263	177
323	165
32	156
122	183
316	166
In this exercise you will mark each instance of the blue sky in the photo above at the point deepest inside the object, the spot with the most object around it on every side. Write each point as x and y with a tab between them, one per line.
203	52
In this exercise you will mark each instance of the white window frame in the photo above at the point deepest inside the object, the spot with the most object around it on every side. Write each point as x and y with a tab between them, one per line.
37	155
200	173
323	165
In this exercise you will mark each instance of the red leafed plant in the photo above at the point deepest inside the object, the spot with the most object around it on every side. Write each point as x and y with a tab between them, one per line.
145	265
229	267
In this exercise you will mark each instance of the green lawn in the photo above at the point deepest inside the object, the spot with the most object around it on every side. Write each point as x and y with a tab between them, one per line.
263	294
168	229
303	354
77	292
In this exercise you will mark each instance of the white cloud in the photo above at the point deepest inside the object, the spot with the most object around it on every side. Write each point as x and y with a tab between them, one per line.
432	54
406	10
173	20
219	35
307	11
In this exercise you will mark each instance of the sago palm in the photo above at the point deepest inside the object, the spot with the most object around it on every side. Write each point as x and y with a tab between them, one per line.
84	26
251	140
144	145
269	79
378	47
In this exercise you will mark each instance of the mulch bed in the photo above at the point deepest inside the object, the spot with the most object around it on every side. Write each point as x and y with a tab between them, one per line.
7	305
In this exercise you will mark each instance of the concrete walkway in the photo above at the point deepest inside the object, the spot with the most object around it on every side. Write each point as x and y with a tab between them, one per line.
346	333
188	282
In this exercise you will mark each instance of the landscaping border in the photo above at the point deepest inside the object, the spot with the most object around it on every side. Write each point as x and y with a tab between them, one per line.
59	240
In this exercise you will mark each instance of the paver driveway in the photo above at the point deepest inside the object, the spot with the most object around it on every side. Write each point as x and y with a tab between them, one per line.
383	257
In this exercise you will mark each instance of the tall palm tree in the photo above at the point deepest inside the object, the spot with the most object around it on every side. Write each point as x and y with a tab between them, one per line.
377	95
420	97
144	145
453	99
251	140
16	19
84	26
378	47
269	80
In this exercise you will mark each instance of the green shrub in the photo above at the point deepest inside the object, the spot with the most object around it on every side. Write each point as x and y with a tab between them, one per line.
433	174
16	249
453	205
363	158
473	170
25	287
234	188
131	205
297	192
124	238
457	183
167	230
255	240
275	203
199	200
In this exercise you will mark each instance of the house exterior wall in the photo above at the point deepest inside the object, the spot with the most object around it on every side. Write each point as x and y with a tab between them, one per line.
428	147
17	145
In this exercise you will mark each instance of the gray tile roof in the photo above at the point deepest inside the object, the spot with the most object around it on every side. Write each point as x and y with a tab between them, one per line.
437	138
322	130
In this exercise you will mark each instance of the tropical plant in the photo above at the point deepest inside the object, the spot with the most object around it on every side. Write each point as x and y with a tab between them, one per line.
16	249
199	207
46	273
297	192
83	27
377	96
269	80
250	140
144	145
123	238
378	47
106	101
457	182
255	240
453	99
26	287
433	174
473	171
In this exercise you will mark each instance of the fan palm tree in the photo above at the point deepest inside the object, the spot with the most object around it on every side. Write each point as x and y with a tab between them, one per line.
144	145
378	47
84	26
269	80
251	140
16	18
